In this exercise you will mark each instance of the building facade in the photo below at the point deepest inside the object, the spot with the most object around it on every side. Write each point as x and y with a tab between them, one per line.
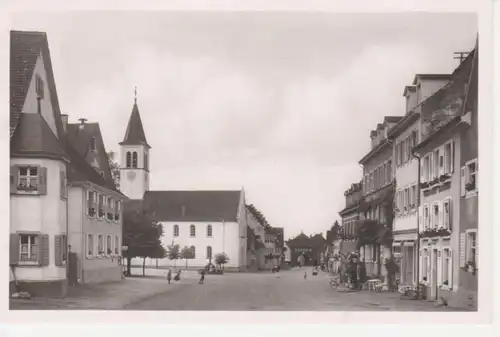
378	196
312	247
448	188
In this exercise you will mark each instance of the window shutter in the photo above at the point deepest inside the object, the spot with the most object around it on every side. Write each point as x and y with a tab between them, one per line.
42	180
43	250
452	166
422	177
58	250
14	172
420	265
477	176
450	214
440	220
420	219
462	181
439	267
477	250
14	249
462	249
450	270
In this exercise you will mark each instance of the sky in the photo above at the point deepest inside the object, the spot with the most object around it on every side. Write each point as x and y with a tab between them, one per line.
279	103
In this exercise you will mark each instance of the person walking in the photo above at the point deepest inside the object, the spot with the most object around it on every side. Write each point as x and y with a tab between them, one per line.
202	277
169	276
177	277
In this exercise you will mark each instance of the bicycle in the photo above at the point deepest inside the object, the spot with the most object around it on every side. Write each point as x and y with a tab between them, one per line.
335	282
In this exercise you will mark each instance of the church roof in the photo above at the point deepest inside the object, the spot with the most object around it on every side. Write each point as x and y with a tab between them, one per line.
186	206
33	138
25	48
135	132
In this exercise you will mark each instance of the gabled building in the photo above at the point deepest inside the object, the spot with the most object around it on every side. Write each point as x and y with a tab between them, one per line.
448	185
312	247
378	195
405	135
45	172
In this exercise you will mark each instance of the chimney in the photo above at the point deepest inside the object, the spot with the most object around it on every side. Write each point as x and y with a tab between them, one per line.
411	97
64	120
373	136
82	123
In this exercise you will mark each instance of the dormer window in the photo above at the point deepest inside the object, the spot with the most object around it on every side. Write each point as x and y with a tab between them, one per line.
93	145
39	87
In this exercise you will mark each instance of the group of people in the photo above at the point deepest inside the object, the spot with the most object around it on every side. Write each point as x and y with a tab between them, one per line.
177	276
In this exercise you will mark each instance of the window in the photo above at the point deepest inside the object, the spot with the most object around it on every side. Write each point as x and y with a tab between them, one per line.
389	171
117	210
192	231
134	159
129	160
426	217
64	248
93	145
117	244
193	251
209	230
39	87
425	265
435	216
28	249
90	245
209	252
471	248
101	173
100	244
109	249
435	172
28	178
110	212
101	206
407	198
448	158
176	230
91	198
471	176
414	196
447	215
446	271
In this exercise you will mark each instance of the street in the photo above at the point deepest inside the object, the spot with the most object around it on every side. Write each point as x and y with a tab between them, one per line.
287	290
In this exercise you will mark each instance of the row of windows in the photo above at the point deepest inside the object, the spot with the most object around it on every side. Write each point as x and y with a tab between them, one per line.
438	162
379	177
102	206
406	199
131	160
349	228
404	148
102	247
438	215
192	231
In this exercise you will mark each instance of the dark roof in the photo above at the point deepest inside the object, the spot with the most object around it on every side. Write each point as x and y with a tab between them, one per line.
431	77
392	119
80	140
306	241
403	124
25	47
135	132
193	205
33	137
373	133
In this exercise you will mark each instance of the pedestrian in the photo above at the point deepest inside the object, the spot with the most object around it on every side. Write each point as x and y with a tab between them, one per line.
177	277
169	276
305	275
202	277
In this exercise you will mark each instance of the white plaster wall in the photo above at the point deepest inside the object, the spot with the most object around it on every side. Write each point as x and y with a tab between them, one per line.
134	189
30	103
225	238
45	214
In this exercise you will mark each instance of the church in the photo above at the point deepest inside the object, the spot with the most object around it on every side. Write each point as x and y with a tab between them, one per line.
207	221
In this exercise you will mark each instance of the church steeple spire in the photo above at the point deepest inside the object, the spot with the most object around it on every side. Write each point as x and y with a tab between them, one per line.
135	132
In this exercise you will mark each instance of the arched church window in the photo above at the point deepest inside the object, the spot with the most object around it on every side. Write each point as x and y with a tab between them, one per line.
134	159
129	160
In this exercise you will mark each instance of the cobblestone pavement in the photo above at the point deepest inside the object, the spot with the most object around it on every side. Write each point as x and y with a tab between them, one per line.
287	290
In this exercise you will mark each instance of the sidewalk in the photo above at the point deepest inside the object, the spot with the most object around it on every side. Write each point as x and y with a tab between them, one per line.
109	296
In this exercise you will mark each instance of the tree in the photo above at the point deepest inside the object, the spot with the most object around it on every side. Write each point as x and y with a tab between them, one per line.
142	236
187	253
115	168
221	259
174	252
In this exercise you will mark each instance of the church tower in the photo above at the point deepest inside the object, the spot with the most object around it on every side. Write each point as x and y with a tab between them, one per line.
134	166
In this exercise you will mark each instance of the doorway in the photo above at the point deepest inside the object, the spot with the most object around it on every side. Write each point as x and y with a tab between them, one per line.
433	283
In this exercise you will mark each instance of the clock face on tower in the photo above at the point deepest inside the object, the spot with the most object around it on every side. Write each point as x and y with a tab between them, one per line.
131	175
